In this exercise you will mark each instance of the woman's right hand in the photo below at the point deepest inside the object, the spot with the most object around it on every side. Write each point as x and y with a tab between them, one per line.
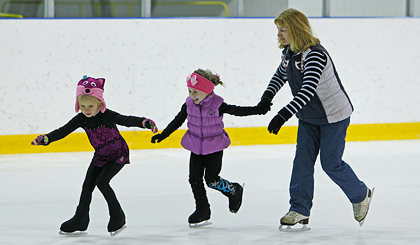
264	106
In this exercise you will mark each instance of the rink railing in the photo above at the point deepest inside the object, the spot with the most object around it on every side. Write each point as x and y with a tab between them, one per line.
16	144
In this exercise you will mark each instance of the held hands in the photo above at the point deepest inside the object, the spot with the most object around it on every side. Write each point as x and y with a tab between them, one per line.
40	140
150	124
264	105
282	116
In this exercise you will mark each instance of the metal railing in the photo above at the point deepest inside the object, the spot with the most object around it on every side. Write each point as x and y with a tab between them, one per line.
113	5
6	15
223	4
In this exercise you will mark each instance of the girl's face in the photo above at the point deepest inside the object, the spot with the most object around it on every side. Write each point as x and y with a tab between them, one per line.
196	95
89	106
283	35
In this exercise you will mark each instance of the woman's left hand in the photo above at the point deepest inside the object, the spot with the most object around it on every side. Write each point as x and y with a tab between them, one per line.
282	116
276	124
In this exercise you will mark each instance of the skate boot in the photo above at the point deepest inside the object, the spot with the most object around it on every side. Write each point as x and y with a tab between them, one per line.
235	198
79	222
200	217
233	191
292	218
116	223
361	209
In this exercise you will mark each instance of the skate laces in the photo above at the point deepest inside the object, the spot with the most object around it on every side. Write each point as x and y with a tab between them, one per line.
294	216
360	209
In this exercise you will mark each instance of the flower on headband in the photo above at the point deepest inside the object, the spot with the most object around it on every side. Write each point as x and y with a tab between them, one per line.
193	79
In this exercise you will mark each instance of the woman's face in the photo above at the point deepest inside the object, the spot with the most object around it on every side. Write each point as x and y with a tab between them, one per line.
283	35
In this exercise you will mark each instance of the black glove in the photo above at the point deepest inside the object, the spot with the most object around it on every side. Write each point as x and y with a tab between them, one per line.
264	105
282	116
158	138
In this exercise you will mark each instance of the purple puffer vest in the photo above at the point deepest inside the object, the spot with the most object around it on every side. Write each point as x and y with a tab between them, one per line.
205	134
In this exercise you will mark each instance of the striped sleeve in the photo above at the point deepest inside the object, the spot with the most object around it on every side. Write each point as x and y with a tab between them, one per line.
276	83
314	64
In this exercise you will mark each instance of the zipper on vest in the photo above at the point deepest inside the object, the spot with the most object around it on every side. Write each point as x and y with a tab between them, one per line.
201	129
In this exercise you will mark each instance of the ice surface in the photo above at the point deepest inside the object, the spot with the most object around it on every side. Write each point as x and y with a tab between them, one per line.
40	191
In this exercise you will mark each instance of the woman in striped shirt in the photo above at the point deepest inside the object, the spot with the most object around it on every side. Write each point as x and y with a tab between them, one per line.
323	108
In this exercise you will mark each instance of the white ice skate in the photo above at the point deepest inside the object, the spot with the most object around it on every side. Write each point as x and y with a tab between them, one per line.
75	233
114	233
361	209
200	224
291	219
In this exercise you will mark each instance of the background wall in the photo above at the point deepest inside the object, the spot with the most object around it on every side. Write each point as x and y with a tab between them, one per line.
145	63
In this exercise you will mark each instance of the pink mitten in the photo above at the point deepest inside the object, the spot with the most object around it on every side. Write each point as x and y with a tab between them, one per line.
40	140
150	124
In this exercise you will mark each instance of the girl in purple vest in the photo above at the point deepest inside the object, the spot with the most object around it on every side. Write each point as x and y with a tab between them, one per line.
111	151
206	139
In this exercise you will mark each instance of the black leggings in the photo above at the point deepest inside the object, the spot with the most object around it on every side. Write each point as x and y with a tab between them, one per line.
209	167
100	177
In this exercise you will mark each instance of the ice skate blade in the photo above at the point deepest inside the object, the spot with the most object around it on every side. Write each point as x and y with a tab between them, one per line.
288	228
370	200
114	233
75	233
200	224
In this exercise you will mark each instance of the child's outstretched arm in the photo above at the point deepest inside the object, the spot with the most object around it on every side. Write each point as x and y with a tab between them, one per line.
46	139
172	126
131	121
240	110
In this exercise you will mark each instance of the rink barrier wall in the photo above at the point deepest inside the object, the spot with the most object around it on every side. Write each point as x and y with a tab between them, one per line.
18	144
145	72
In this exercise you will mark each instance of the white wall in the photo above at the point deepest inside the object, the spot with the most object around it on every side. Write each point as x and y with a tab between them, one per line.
145	62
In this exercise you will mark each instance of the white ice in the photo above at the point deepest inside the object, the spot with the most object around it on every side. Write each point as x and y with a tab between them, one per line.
40	191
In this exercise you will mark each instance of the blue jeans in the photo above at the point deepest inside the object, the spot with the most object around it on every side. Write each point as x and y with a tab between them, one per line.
329	141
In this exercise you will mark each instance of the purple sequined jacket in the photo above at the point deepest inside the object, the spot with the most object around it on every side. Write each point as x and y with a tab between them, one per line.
103	135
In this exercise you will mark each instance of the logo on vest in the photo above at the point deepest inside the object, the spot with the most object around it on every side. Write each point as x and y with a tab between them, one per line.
300	66
211	112
284	62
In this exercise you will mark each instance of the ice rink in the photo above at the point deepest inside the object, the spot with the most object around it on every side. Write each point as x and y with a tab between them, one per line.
40	191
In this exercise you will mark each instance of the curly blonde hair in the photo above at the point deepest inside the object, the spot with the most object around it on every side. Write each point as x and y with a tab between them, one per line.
300	32
209	75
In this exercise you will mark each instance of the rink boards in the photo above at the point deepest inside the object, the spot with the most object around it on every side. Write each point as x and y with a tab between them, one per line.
15	144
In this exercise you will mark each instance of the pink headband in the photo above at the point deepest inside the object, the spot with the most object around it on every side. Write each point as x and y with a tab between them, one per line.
200	83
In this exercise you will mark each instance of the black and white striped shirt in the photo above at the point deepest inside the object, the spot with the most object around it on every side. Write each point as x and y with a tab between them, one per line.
310	74
313	66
